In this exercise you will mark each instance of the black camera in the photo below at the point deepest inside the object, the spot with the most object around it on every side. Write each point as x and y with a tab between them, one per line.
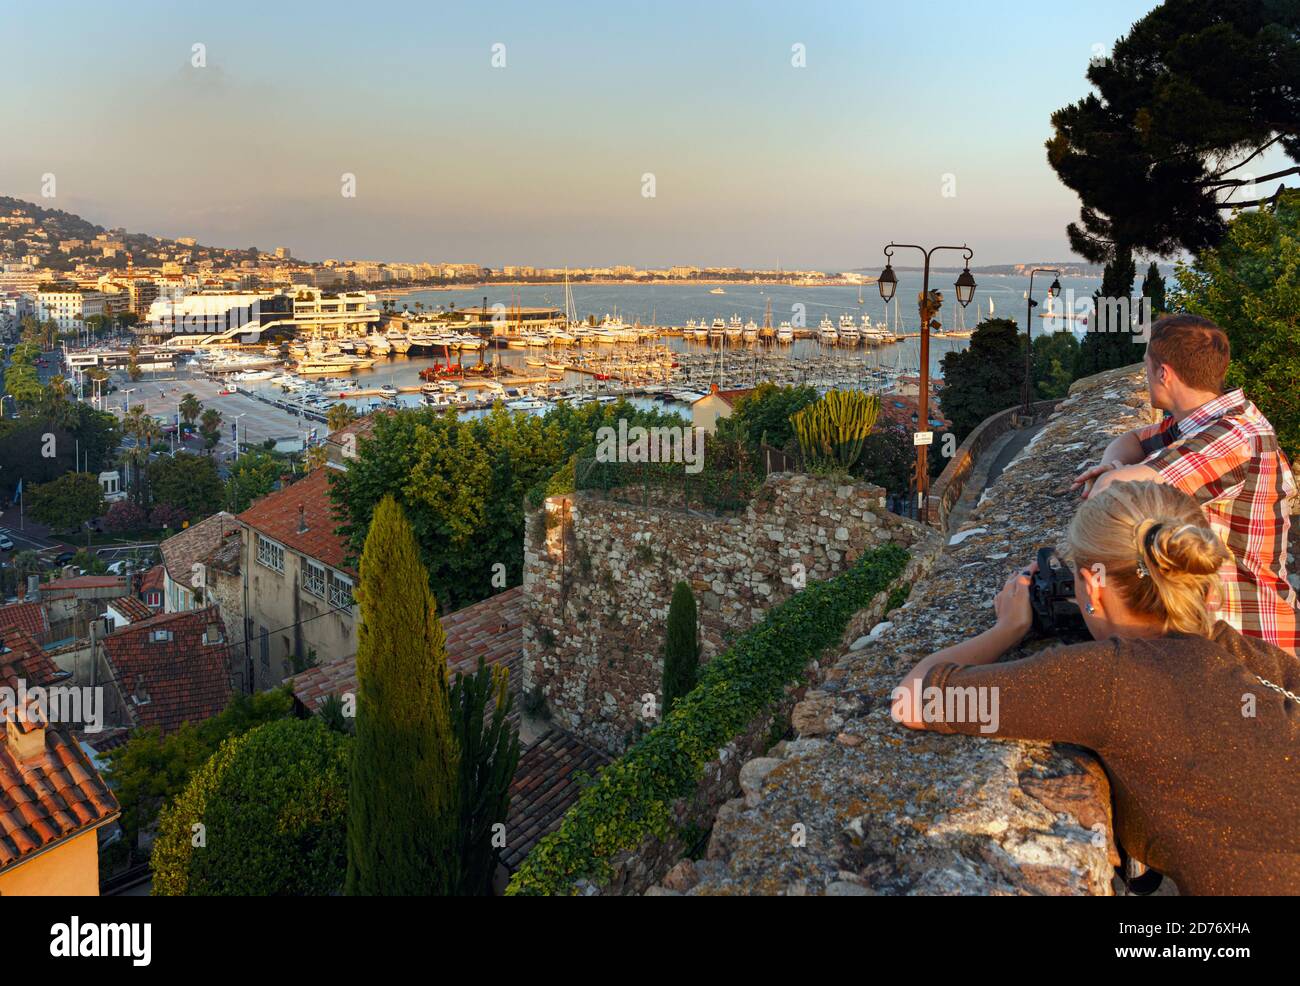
1051	595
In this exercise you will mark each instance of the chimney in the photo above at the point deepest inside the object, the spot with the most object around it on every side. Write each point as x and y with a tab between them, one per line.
25	734
302	519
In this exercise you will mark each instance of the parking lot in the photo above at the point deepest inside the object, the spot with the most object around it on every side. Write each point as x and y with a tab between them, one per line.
258	420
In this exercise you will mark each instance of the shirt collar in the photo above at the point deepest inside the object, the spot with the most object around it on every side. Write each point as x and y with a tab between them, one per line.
1210	410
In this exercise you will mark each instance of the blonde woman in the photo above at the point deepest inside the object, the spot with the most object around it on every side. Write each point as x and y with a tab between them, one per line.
1197	726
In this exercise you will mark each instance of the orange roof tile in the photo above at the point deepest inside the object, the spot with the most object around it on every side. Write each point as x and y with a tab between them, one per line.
48	798
276	516
21	657
28	616
168	682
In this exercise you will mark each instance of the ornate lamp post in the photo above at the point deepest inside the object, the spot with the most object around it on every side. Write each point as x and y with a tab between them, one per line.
1052	292
965	287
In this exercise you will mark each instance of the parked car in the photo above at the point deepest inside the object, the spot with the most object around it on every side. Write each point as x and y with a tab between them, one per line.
64	557
6	542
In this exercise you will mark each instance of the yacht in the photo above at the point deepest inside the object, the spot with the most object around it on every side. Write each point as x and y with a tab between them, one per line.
701	332
734	329
784	334
717	291
717	331
848	331
528	404
609	330
332	364
536	339
750	333
379	345
826	333
397	339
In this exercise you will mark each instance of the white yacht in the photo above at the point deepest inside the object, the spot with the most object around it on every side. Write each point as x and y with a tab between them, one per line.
784	334
826	333
717	331
397	339
379	345
848	331
750	332
734	329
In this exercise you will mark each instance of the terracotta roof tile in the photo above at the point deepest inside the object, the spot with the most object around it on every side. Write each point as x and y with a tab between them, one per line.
24	658
196	544
48	797
276	516
132	608
545	786
28	616
183	679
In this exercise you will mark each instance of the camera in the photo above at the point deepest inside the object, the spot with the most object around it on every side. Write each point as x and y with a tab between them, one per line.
1051	595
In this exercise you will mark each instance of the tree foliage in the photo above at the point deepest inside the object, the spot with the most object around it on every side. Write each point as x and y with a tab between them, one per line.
150	769
489	755
67	502
272	804
763	416
1250	285
462	484
984	378
1110	341
187	482
404	811
681	647
1187	100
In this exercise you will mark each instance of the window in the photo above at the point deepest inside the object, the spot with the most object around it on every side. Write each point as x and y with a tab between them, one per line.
270	554
160	636
313	578
340	591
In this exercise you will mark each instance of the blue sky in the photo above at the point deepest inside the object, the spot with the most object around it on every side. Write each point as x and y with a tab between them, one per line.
755	162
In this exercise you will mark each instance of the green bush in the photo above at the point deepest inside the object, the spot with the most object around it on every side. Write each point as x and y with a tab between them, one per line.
273	806
632	798
682	648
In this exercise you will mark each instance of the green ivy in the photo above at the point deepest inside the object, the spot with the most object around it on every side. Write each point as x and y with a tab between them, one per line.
632	798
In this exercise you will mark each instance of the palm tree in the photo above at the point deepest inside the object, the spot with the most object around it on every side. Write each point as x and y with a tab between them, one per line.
339	416
190	407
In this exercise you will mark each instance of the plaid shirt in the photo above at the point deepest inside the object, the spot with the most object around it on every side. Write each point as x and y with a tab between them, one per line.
1225	455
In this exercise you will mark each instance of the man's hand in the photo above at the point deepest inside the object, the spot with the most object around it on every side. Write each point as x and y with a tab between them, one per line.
1088	477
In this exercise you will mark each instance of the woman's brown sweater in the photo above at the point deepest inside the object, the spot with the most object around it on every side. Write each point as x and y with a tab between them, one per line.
1205	792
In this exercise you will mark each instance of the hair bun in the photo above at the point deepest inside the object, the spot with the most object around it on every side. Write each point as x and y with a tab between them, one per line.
1179	548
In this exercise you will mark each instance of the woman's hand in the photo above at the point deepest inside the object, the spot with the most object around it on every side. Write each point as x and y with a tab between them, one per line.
1015	615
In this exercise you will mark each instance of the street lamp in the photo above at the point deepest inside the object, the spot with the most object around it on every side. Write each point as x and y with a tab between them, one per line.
965	287
1052	292
236	430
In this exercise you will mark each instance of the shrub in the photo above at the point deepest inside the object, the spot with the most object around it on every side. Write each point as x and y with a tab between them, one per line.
682	648
273	806
124	516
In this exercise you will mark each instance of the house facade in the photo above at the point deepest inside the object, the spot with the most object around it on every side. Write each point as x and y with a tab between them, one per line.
297	584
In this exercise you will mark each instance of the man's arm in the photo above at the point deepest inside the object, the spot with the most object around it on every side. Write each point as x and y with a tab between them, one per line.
1125	474
1125	450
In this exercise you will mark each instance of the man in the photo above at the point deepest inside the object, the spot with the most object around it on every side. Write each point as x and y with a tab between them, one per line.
1218	448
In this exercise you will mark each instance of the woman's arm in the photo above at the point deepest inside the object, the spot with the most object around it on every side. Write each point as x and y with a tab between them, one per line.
1014	619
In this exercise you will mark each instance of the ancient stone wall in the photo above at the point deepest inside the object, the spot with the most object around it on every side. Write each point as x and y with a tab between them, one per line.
858	805
599	575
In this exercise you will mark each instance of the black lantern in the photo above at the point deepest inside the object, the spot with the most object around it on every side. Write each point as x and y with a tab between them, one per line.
887	283
965	287
1055	290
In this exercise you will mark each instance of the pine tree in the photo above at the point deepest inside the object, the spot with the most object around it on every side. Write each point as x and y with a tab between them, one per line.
403	806
682	650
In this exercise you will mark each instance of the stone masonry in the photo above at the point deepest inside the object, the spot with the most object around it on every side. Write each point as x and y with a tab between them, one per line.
599	575
858	805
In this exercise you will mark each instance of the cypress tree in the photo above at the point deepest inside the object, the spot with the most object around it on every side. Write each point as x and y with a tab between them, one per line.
403	805
1153	287
1109	342
682	649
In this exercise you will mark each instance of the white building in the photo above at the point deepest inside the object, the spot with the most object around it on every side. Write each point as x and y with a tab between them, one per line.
68	309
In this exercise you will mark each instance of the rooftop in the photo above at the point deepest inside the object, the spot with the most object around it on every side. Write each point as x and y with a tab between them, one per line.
27	616
48	797
197	544
166	682
276	515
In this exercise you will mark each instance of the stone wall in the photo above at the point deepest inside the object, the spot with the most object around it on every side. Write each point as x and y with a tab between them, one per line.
947	489
858	805
599	575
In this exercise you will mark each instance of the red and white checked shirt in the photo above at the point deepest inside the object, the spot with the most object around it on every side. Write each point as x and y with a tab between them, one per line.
1225	454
